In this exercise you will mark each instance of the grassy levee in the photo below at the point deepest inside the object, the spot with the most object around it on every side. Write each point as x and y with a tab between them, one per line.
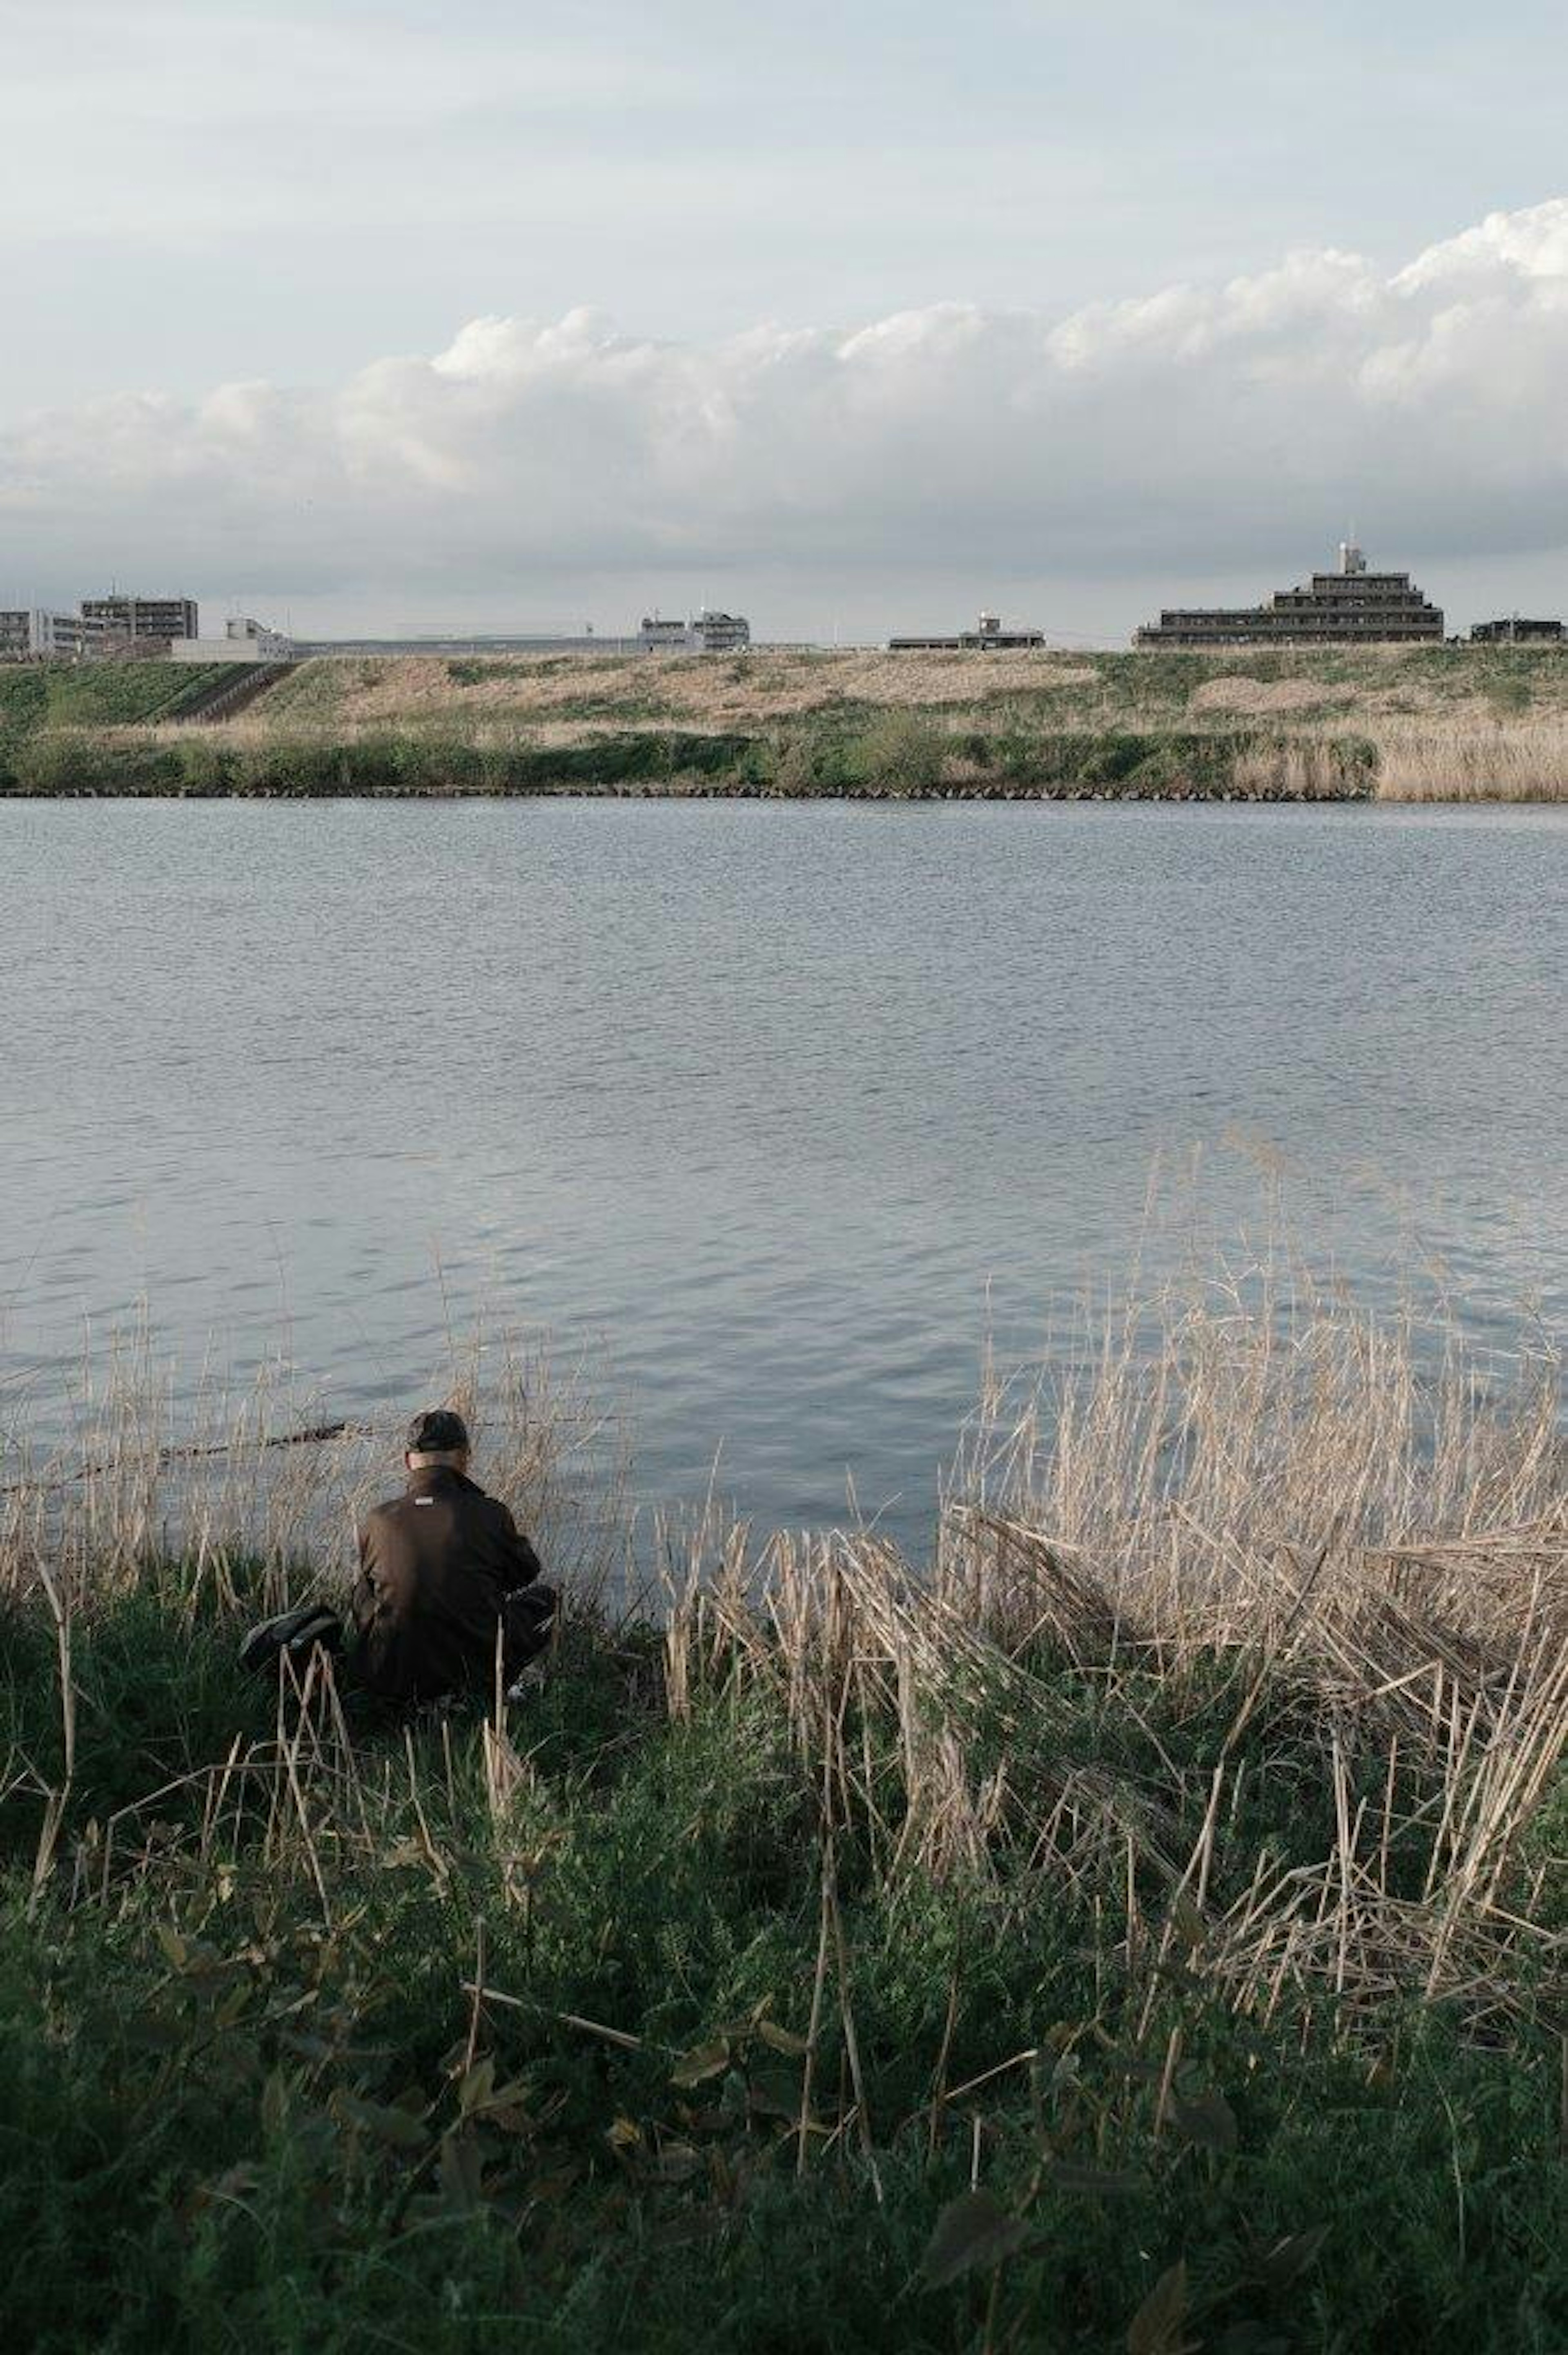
1146	1929
37	698
1437	723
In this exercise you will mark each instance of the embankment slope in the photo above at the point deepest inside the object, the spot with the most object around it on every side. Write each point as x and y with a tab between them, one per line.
1418	722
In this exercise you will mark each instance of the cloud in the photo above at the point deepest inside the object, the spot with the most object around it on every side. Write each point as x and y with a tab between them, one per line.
1199	431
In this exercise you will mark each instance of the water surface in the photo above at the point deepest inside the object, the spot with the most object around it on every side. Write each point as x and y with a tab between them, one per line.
785	1106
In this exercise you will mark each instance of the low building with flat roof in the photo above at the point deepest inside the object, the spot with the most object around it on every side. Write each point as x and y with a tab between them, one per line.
1514	631
1350	606
243	641
988	637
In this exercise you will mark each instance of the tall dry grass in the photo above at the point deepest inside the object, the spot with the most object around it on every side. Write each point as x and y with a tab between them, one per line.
1465	759
260	1492
1297	768
1275	1499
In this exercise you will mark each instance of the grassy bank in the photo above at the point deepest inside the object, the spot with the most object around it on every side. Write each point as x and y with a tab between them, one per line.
1144	1931
45	699
887	761
1410	723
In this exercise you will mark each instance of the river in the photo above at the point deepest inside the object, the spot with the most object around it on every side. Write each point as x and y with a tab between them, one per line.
779	1109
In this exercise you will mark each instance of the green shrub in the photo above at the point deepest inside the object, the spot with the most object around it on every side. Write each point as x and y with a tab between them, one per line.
209	769
23	699
1507	693
797	764
72	761
901	752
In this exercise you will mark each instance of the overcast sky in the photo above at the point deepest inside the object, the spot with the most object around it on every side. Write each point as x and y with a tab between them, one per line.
403	316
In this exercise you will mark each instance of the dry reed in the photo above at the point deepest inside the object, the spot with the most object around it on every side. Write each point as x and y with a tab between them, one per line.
261	1493
1470	758
1269	1493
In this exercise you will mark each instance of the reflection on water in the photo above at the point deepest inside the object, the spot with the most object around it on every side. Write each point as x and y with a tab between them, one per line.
789	1108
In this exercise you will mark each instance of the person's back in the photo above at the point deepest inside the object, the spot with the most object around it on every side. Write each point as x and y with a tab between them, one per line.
437	1566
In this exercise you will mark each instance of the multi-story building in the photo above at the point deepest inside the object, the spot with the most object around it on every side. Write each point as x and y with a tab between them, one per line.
707	633
988	637
1352	606
720	633
33	633
122	621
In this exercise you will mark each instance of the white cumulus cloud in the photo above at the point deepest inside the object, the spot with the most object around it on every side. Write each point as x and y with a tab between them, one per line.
1204	433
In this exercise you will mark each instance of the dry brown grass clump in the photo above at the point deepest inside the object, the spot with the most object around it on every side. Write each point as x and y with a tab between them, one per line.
1262	699
701	693
1473	759
1296	768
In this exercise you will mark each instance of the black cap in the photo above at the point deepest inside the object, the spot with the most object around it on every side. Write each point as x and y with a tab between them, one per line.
437	1432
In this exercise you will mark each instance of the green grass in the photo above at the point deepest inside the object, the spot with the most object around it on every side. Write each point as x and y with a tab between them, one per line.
51	716
97	695
246	2102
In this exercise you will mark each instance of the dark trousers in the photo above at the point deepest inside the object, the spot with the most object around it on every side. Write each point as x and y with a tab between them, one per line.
527	1618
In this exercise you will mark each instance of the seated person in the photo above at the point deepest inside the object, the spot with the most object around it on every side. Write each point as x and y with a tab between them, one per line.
446	1579
443	1570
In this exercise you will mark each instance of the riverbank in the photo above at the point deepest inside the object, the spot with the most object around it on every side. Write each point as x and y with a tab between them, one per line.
1392	723
1145	1929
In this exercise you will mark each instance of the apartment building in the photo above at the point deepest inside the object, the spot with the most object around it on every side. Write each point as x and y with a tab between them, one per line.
33	634
127	621
1350	606
18	627
707	633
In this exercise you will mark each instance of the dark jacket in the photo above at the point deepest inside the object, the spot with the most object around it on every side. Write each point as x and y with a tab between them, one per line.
434	1566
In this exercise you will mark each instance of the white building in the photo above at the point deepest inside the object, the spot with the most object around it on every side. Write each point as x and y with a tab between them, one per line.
33	634
243	639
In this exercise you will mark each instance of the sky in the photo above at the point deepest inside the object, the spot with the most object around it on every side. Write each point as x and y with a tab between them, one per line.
403	318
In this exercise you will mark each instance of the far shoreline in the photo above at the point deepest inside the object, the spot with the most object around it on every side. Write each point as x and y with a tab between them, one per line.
1334	726
710	796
